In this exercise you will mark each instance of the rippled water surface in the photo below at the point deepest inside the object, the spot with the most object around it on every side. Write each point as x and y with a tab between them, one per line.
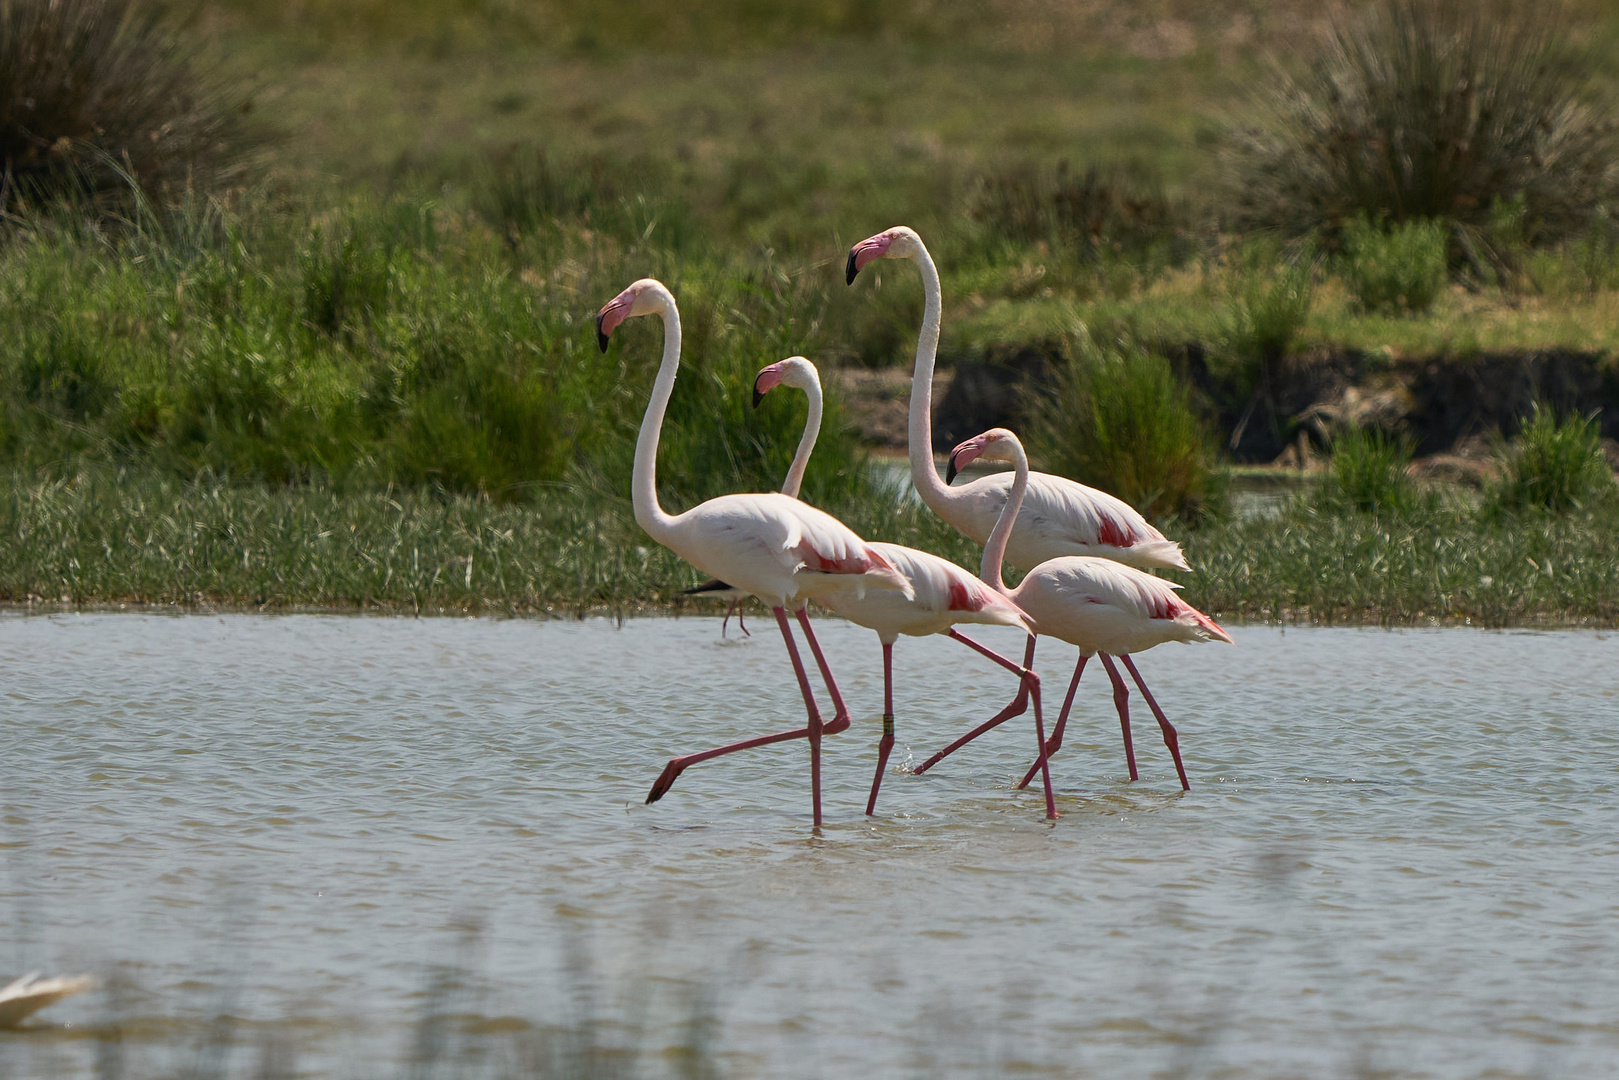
1400	854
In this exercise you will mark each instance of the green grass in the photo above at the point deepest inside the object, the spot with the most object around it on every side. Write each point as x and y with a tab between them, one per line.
133	538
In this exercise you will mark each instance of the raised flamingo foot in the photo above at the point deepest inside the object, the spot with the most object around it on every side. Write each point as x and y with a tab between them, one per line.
1016	707
1055	743
666	779
1171	737
883	749
679	765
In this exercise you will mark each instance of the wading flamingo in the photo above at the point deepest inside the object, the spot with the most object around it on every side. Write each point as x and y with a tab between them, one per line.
767	545
1059	516
714	588
1100	605
943	594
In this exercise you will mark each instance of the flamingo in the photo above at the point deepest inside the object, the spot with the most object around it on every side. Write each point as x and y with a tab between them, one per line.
1059	516
1100	605
714	588
768	545
943	594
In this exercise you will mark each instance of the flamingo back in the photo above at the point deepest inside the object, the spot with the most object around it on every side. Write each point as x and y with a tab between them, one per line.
1103	606
1060	518
778	549
942	595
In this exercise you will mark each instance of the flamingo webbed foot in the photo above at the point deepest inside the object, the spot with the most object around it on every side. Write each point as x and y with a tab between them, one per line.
666	779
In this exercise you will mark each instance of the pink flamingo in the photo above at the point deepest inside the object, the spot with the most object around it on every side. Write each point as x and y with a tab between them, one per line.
768	545
1059	517
1097	604
714	588
943	595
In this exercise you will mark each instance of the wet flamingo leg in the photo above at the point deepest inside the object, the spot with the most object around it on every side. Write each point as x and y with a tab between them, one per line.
735	609
1040	741
1121	701
1062	722
1018	705
812	732
887	743
1171	738
840	712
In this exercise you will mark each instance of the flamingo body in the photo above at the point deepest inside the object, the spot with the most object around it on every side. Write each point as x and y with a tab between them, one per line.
774	547
1059	518
942	595
1100	605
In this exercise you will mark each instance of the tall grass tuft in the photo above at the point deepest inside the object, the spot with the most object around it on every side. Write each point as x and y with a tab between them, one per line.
1400	269
1121	420
1553	465
98	94
1369	471
1430	109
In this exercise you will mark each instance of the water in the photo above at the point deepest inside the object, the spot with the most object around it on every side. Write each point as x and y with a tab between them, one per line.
1400	855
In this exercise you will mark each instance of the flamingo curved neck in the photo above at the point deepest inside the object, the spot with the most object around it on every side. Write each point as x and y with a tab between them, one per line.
806	442
995	547
644	483
924	474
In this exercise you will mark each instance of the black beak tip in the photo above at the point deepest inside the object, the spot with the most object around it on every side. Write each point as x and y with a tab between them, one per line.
758	395
850	269
601	338
950	470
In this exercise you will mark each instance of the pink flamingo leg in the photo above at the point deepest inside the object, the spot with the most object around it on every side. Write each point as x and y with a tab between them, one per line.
1062	722
812	732
1171	738
1040	741
1018	705
887	743
840	712
1121	701
735	609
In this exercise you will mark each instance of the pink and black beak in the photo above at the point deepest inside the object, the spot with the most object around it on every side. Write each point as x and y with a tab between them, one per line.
963	455
862	253
612	313
767	380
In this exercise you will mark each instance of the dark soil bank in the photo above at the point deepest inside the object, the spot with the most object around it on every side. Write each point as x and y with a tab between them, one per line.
1438	399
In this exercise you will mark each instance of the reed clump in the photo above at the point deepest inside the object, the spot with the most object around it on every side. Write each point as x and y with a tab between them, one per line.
1369	471
1555	465
1430	109
98	96
1400	269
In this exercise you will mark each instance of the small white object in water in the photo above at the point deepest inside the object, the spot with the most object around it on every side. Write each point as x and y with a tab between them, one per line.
31	993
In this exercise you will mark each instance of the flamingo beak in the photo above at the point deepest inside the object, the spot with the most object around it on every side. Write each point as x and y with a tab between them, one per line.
612	313
767	380
862	253
961	457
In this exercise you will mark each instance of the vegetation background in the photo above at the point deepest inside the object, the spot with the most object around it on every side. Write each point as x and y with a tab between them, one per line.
297	296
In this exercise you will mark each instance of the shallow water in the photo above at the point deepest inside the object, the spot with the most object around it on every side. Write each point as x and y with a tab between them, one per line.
1400	854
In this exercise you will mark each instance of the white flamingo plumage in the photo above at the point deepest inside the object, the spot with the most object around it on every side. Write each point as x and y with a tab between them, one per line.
714	588
1097	604
1059	517
767	545
943	595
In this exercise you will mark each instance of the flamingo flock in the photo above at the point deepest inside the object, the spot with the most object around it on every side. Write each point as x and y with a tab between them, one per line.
1088	554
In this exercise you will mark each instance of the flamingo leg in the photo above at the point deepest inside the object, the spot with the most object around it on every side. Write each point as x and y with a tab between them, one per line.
887	743
1062	722
840	711
735	609
1171	738
1017	707
812	732
1121	702
1040	741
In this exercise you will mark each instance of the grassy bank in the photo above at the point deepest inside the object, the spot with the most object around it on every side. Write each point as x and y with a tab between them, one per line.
107	539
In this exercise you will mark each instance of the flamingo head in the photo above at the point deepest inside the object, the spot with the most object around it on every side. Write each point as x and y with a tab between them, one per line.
642	298
795	371
993	445
899	242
